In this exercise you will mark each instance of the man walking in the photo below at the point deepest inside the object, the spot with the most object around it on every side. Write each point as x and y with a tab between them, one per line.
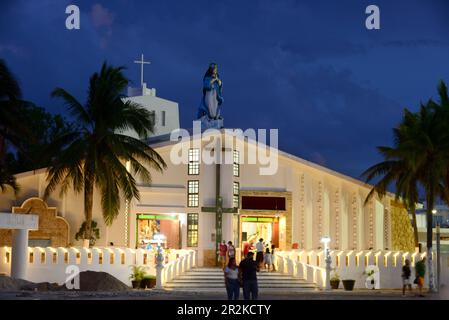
248	274
406	272
259	255
222	254
231	250
420	271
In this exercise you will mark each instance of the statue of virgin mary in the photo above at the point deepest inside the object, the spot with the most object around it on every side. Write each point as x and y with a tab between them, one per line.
210	108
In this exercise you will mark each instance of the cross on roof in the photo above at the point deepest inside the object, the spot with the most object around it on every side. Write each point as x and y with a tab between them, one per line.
141	62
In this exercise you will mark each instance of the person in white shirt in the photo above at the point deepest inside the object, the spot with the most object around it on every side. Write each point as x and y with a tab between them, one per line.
259	255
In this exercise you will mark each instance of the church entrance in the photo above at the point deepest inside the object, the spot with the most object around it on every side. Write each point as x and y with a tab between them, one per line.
151	225
255	227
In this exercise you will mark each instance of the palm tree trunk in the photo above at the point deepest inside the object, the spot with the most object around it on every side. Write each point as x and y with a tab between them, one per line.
415	226
88	203
429	218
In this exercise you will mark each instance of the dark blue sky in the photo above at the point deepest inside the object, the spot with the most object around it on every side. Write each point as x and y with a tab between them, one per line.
309	68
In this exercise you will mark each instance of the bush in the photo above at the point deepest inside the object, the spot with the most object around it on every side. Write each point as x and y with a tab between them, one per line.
81	234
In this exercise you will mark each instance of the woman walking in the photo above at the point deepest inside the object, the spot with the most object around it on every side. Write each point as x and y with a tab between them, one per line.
232	283
268	259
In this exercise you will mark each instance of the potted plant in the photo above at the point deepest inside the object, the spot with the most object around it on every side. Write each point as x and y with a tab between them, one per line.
136	276
335	281
148	281
82	234
348	284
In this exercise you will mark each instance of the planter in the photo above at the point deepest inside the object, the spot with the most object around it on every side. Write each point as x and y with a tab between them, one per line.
348	284
151	283
335	284
136	284
86	243
147	283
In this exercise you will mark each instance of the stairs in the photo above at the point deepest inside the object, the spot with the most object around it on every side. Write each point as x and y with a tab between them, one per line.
211	280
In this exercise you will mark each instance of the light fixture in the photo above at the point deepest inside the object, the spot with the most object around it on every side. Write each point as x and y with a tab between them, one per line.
434	211
325	240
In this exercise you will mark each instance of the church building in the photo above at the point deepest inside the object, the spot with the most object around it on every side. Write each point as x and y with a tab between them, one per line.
196	205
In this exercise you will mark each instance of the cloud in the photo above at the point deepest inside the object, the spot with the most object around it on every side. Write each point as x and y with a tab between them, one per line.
101	16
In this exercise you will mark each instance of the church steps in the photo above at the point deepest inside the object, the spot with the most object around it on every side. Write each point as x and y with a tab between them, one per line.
210	279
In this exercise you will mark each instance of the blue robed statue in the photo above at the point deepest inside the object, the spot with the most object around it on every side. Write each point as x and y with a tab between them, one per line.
210	108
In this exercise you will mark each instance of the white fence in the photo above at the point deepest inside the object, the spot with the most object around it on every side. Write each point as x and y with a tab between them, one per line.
310	266
50	264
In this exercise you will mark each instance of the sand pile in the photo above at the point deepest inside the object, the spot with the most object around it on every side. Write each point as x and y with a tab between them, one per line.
89	281
100	281
10	284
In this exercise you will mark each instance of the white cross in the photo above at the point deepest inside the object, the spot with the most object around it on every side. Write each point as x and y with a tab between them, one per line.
141	62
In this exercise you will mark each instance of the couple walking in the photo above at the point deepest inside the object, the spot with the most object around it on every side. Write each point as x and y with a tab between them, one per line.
226	252
265	256
420	272
244	275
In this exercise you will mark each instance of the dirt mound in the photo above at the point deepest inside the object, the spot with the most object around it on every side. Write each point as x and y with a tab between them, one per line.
10	284
89	281
100	281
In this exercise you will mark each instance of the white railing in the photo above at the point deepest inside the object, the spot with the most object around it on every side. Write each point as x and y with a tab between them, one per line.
310	265
186	260
288	262
50	264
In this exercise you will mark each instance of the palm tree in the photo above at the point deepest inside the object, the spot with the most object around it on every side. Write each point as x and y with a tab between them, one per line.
428	145
420	157
10	103
97	154
395	171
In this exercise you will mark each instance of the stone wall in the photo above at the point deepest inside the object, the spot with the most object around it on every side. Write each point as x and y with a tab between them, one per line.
401	228
51	226
209	258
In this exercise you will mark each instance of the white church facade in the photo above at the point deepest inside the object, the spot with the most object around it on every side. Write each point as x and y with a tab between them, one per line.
292	208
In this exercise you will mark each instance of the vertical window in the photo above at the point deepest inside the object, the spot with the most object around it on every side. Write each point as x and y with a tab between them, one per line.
193	193
163	118
192	229
236	163
236	195
194	161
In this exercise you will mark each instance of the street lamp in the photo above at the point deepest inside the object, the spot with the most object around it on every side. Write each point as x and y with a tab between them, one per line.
325	241
434	211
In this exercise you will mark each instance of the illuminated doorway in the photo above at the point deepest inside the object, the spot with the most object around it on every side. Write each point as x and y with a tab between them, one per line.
255	227
148	225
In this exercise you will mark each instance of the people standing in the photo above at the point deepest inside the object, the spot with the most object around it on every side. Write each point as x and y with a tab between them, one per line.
259	255
406	272
231	250
420	272
232	283
248	274
223	249
268	259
